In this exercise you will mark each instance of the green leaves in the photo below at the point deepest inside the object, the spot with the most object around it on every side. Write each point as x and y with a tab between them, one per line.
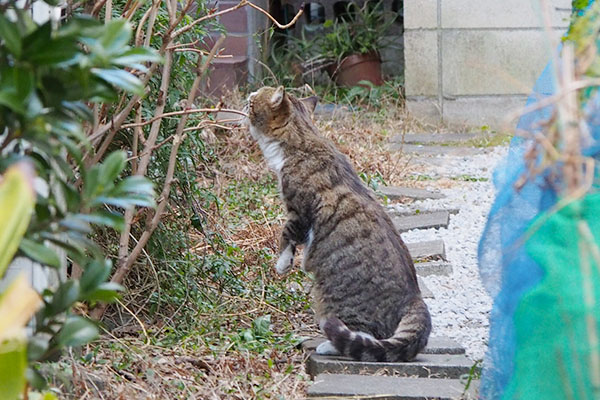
112	167
49	78
39	253
262	326
135	57
64	297
77	331
9	32
13	361
42	49
99	188
116	35
121	79
16	87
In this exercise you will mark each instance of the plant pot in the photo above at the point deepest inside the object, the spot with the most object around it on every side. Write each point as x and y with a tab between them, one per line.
356	68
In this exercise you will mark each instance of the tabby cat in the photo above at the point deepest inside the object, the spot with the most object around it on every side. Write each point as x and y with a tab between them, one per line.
367	298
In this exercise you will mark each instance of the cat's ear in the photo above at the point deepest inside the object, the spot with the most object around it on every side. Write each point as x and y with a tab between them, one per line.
278	97
310	103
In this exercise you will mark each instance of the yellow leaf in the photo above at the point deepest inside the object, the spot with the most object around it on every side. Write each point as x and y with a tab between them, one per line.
18	303
16	204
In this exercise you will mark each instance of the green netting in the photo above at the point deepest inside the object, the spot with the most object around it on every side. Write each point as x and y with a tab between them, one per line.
557	323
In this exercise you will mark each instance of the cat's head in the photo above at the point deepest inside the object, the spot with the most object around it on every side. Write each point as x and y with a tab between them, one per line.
272	108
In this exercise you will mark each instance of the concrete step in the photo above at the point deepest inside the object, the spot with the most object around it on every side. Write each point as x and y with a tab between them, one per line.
416	210
403	193
433	268
436	345
425	366
436	220
426	293
438	138
437	150
389	388
433	249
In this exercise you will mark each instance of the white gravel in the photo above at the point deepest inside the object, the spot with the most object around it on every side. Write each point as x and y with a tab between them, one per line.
461	307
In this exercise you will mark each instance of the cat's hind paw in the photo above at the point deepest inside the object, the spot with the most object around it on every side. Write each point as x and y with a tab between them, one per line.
285	261
327	349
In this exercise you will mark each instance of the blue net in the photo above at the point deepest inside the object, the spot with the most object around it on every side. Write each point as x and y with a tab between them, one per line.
507	270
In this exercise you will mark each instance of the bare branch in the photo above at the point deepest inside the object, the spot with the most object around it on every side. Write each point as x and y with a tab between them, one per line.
185	112
125	265
200	51
277	24
194	43
241	4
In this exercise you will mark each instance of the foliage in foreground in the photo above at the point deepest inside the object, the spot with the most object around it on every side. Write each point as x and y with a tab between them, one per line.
19	301
47	77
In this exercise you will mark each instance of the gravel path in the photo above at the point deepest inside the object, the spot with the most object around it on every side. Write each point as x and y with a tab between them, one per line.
460	309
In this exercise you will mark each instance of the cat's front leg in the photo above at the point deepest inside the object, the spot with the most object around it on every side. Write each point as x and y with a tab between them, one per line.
293	234
286	258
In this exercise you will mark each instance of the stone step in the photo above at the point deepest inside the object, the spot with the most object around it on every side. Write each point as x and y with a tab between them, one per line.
436	220
433	268
416	211
436	345
389	388
425	366
402	193
437	150
433	249
438	138
426	293
331	110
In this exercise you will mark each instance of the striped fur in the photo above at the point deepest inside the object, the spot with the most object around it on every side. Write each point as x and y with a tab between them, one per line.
363	273
408	340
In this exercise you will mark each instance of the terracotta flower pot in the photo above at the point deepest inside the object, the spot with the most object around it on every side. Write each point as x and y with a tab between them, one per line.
356	68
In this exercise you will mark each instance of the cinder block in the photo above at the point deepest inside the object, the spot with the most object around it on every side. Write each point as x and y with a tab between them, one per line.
235	21
425	109
502	14
225	74
478	111
234	45
492	62
393	57
421	63
419	14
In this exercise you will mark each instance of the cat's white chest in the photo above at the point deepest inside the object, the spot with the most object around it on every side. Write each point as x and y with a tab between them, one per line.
271	150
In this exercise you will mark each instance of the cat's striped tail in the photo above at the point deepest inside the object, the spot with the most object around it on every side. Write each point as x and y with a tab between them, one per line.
408	340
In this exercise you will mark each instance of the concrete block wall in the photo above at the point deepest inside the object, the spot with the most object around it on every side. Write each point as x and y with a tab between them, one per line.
472	62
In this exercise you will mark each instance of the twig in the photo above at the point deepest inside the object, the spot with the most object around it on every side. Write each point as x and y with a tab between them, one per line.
551	100
185	112
97	7
176	46
277	24
567	118
241	4
205	124
137	319
200	51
